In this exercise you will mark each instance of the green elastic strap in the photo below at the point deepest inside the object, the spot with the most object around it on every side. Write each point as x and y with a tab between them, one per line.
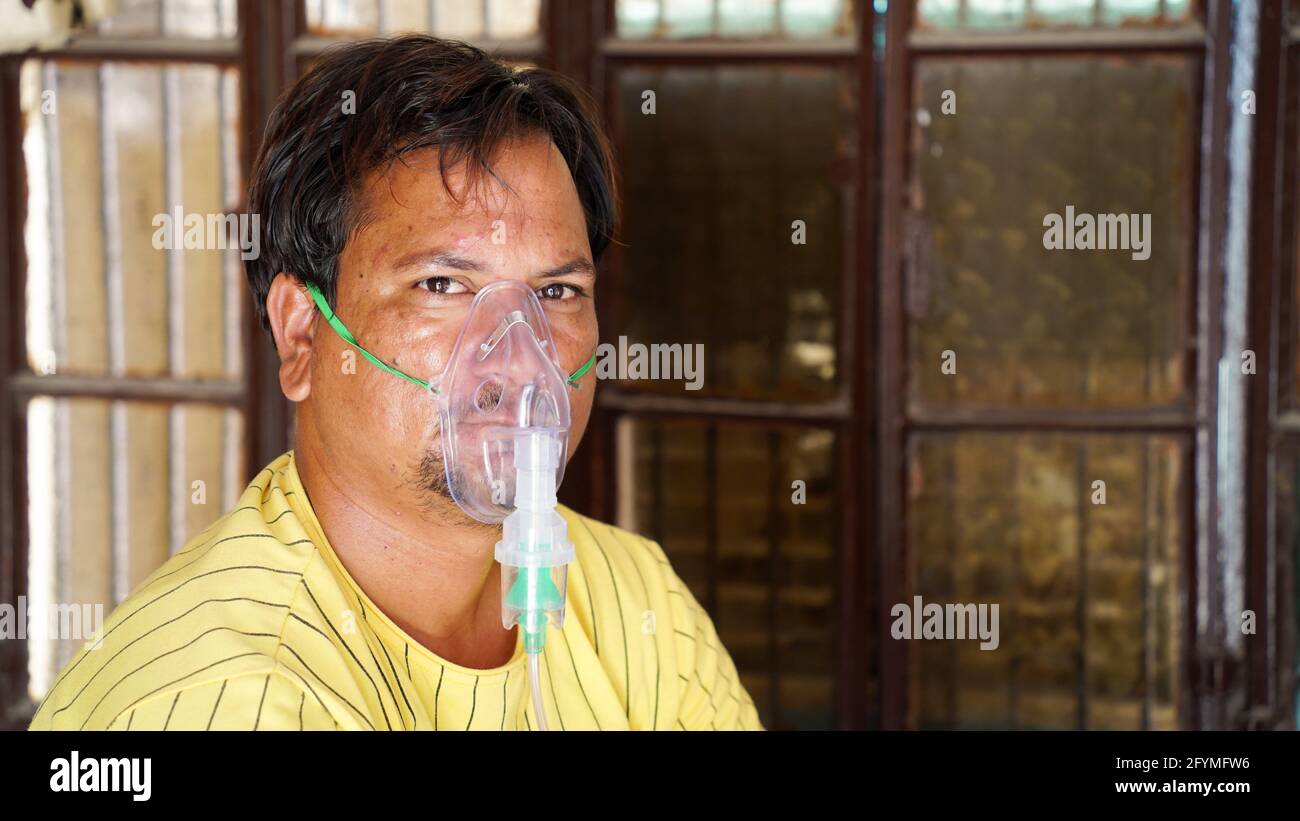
342	331
580	372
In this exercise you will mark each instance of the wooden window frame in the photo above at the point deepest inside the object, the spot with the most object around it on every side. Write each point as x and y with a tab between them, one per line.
1215	680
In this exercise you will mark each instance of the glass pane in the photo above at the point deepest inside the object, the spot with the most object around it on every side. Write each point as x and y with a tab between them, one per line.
747	18
133	241
941	14
513	19
208	286
815	18
997	319
1010	14
1081	572
460	19
717	181
688	18
768	577
64	234
172	18
132	107
114	487
404	16
677	19
343	16
994	13
637	18
1066	12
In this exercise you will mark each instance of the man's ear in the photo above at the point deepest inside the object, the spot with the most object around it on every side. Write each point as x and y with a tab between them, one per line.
293	323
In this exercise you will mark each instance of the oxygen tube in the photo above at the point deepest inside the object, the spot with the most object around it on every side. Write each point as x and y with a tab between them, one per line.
504	414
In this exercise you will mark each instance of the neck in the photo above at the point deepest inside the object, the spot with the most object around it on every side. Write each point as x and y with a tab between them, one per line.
431	571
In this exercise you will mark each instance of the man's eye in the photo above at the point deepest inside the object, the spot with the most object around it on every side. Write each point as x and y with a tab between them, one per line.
559	290
442	285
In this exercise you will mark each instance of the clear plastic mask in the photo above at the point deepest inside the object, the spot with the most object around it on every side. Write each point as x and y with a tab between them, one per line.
503	378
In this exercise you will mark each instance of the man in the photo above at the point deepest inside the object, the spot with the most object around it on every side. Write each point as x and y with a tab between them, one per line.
348	589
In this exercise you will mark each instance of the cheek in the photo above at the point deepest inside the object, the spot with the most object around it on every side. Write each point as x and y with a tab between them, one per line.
377	409
576	336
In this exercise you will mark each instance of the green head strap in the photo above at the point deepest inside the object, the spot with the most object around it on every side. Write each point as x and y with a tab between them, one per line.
342	330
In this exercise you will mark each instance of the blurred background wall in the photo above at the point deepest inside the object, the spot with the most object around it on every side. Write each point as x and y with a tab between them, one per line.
946	392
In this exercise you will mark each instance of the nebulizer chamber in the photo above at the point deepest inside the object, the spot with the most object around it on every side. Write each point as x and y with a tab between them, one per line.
534	550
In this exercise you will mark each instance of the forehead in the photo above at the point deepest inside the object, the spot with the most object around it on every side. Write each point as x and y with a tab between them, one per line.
528	186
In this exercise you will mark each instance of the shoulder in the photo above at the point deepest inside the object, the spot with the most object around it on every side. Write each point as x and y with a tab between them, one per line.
253	700
212	614
625	583
622	569
609	555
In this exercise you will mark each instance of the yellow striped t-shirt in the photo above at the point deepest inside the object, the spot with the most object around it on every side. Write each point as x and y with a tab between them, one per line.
256	624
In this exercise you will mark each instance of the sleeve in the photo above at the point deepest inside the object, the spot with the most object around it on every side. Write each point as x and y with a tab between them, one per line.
250	701
711	695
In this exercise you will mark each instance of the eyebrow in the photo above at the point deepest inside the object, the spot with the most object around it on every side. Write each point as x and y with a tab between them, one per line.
577	265
444	259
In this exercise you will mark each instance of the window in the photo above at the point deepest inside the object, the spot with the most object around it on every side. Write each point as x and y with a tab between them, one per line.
672	19
738	134
474	20
990	15
1046	419
133	392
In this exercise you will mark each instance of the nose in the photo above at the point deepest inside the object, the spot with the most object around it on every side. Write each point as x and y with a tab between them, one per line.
514	318
529	374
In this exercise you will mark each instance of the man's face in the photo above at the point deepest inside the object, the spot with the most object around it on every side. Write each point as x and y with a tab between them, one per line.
406	280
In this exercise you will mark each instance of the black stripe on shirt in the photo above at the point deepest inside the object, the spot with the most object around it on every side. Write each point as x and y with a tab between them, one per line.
505	698
172	710
317	676
164	655
346	646
414	720
155	600
551	680
436	693
220	693
618	601
578	678
266	685
160	688
637	567
146	634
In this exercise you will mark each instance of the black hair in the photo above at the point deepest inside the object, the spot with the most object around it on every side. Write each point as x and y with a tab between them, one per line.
407	93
